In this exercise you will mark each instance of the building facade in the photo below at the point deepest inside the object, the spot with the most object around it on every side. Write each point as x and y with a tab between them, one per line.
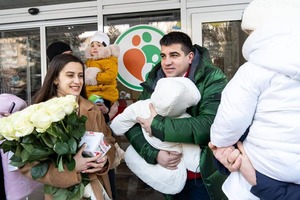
24	37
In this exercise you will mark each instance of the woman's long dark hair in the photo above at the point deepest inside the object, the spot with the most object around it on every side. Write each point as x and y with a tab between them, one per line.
49	89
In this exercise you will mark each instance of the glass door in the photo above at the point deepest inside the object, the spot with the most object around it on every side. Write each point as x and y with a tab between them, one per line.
221	34
20	67
74	35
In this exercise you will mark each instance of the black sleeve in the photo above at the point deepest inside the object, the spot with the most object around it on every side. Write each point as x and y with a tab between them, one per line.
220	167
271	189
2	189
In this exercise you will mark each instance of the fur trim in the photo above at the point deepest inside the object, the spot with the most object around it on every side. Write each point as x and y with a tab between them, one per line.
91	75
106	52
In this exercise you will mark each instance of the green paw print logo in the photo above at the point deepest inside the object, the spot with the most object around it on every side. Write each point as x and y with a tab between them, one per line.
139	53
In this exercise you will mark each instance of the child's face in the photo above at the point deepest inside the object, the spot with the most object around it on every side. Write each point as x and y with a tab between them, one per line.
95	48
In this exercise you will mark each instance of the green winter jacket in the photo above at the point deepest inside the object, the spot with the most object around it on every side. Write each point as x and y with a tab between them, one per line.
210	81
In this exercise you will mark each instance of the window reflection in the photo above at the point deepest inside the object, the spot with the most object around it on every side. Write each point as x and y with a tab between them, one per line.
74	35
20	62
224	41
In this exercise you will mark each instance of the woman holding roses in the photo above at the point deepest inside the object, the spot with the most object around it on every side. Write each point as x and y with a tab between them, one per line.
65	76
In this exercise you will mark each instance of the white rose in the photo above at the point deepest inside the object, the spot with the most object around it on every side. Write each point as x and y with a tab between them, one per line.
27	112
22	124
55	111
41	120
69	104
6	129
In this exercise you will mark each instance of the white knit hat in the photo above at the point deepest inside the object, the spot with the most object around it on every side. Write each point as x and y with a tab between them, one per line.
260	11
100	37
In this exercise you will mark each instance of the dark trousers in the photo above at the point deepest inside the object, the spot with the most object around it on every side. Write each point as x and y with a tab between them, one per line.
112	180
193	190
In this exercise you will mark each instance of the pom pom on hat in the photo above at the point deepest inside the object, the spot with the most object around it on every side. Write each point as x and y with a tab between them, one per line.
100	37
259	12
57	48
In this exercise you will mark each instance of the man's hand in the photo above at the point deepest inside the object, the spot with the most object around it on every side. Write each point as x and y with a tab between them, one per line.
168	159
228	156
146	123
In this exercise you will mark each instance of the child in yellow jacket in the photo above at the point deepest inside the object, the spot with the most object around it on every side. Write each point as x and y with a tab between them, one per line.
102	68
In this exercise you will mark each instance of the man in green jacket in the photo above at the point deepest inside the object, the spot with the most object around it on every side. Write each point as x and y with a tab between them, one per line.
181	58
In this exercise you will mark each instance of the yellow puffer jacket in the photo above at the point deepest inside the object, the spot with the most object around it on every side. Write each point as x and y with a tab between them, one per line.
106	78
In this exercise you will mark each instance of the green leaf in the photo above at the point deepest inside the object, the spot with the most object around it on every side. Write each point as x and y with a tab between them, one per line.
61	148
29	139
49	189
39	154
8	145
39	170
35	152
78	192
28	147
47	140
72	145
71	119
83	119
25	155
16	161
71	165
60	164
61	194
78	133
56	131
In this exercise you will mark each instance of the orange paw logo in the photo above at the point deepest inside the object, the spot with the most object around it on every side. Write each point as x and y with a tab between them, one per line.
139	52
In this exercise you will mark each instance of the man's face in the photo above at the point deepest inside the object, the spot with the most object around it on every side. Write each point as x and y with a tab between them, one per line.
173	60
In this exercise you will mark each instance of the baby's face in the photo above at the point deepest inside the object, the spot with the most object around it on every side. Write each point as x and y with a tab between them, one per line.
95	48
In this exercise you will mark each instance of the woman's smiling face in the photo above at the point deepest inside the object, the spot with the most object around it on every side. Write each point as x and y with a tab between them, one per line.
70	79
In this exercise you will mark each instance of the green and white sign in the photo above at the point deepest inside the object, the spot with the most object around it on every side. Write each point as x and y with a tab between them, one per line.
139	52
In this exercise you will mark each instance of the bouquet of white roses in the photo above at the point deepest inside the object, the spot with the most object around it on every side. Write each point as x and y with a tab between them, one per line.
48	132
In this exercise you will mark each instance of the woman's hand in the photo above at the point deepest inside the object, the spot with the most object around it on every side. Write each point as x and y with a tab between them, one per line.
89	165
4	114
168	159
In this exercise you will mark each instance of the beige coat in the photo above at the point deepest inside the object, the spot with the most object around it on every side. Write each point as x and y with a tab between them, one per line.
95	122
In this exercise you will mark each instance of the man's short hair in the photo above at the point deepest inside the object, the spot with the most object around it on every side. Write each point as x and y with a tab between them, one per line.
177	37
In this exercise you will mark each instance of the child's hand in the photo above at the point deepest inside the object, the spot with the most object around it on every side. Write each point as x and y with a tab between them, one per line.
246	169
113	110
103	108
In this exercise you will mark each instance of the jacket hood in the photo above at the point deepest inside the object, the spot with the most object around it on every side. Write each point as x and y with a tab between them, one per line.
173	95
106	52
276	46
